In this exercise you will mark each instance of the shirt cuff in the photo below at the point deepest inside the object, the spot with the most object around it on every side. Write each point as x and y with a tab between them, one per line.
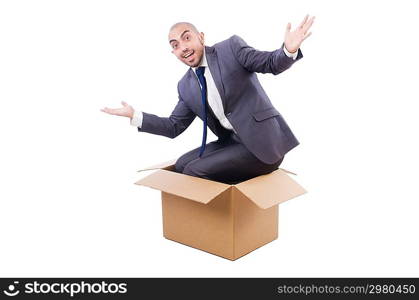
293	55
137	119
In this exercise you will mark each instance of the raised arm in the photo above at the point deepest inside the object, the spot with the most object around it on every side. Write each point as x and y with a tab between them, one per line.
276	61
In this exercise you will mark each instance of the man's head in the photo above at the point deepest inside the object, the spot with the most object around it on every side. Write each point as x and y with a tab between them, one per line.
187	43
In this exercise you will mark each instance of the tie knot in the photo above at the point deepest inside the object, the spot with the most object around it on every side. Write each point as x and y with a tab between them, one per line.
200	71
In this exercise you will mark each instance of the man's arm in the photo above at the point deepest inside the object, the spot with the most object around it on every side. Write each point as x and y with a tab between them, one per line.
276	61
254	60
175	124
171	127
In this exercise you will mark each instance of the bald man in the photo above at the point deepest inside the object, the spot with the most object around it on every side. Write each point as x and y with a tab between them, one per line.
222	89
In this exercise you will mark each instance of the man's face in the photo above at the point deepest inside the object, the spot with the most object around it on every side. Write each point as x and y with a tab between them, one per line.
187	45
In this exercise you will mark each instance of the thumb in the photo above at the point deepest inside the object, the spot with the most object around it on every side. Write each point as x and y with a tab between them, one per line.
288	28
124	103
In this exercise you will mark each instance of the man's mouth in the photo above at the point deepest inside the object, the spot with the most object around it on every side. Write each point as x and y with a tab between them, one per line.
188	54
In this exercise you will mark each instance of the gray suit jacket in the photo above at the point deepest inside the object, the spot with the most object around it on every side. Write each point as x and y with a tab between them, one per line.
233	64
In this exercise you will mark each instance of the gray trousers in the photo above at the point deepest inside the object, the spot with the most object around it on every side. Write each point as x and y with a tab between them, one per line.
226	160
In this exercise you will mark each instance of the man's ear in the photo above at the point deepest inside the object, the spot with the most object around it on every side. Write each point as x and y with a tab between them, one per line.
201	38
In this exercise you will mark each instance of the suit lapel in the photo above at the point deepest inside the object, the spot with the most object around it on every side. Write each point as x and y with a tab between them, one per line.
214	67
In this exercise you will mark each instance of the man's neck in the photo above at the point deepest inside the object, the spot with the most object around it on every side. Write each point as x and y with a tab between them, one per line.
203	60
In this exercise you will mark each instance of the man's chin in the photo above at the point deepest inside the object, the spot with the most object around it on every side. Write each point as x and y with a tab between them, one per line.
193	64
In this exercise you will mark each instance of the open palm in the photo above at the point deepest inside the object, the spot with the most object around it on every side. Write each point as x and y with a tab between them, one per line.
293	39
125	111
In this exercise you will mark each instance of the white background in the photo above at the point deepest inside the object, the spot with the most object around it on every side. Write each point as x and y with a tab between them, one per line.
68	203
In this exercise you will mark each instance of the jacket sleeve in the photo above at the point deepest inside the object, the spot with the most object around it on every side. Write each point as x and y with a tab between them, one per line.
171	127
253	60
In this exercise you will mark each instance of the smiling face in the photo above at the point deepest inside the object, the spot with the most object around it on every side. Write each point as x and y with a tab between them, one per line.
187	43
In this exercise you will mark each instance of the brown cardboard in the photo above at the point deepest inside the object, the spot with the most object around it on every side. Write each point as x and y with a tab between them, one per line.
226	220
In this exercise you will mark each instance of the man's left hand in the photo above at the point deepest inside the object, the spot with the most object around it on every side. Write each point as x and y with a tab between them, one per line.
293	39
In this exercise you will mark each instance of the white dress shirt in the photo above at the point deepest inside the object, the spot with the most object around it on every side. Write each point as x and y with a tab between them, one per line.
214	99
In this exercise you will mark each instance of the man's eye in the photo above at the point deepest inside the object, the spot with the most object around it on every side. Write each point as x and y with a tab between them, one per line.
174	46
187	38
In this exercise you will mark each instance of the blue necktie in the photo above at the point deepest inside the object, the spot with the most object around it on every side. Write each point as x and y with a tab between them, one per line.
200	73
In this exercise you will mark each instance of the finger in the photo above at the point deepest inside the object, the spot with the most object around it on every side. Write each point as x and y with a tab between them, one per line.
106	110
307	26
112	111
306	36
303	22
124	103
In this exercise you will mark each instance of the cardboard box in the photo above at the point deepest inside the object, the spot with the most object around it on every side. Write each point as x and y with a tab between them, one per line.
226	220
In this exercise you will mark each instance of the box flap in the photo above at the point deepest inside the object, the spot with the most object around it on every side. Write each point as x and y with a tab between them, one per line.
159	166
193	188
271	189
289	172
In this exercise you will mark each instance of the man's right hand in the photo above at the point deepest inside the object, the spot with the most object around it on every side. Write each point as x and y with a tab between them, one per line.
125	111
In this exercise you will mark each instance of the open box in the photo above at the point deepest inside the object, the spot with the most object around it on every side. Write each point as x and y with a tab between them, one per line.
226	220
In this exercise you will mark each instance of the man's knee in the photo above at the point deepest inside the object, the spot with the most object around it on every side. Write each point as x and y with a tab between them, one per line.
193	169
189	170
179	165
182	162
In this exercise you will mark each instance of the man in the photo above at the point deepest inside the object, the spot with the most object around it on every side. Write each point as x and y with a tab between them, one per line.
222	89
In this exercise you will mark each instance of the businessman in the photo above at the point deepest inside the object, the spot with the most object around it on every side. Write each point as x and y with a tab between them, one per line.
222	89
